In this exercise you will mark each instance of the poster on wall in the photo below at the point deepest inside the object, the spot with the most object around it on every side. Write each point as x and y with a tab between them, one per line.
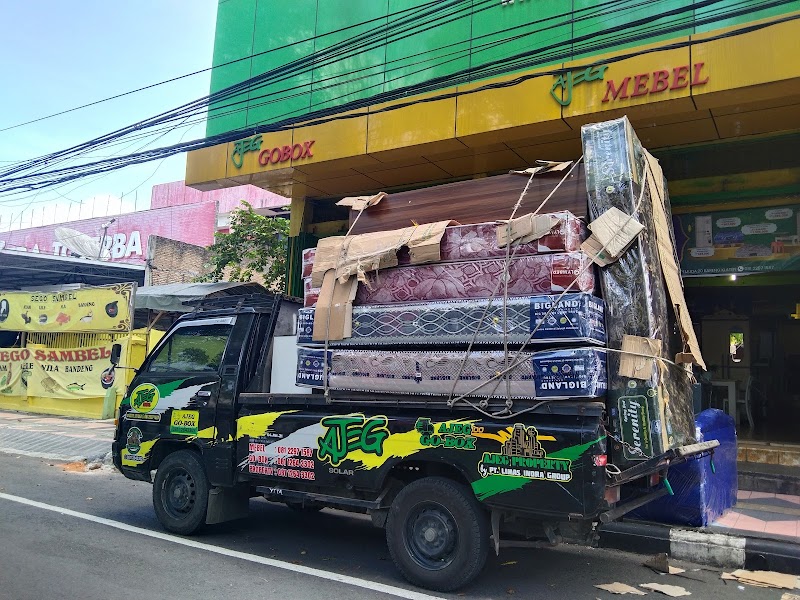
70	372
15	370
98	308
749	240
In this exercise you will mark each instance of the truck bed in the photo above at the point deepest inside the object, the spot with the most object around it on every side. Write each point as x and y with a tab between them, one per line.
496	407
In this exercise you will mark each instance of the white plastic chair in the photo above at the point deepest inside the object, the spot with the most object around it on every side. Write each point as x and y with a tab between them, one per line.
747	401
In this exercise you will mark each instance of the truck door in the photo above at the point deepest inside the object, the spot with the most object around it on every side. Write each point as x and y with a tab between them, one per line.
178	388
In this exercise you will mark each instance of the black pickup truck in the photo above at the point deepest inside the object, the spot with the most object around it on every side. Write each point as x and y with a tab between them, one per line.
203	422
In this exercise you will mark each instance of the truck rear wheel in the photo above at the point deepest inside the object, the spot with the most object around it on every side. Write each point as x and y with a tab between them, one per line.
180	492
438	534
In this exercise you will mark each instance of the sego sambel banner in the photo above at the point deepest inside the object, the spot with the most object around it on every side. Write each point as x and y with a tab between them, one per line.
43	372
748	240
99	308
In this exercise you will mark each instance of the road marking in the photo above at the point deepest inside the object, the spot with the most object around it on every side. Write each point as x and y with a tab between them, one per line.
269	562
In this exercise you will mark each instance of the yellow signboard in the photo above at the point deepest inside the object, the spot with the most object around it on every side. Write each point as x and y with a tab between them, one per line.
56	372
101	308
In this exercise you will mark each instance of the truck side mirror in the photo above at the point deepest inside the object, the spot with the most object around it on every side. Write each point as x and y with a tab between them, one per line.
116	352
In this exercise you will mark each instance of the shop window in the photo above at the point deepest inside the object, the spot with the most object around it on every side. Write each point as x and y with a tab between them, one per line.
192	349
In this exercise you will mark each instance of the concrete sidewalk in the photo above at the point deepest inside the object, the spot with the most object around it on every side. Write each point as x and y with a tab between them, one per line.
55	438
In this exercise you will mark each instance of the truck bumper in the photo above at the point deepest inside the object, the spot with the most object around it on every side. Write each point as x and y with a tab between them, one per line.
129	472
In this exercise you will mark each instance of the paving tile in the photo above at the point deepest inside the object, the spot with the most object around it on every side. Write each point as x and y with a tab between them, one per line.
788	498
765	515
727	520
769	504
758	495
784	528
746	523
743	494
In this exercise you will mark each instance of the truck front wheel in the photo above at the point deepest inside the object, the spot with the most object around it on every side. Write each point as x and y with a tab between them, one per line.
180	492
438	534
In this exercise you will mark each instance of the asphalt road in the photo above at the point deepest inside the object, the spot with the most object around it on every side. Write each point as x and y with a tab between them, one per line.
47	554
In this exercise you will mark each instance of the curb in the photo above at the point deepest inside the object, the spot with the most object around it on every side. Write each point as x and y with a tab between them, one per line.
702	547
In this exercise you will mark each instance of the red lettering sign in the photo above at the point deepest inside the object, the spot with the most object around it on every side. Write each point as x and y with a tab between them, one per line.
660	81
643	85
640	85
680	78
696	79
620	92
15	355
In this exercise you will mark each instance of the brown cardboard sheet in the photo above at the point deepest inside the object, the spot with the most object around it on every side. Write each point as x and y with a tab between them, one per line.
475	201
359	254
669	264
526	229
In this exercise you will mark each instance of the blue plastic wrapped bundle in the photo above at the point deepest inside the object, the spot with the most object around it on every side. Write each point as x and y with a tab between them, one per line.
701	495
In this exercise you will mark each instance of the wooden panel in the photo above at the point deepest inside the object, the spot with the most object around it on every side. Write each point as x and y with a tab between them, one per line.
474	201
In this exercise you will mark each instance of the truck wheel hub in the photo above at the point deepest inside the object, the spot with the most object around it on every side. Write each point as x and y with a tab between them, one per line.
432	536
181	492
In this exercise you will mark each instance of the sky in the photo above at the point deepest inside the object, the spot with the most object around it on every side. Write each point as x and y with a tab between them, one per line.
59	54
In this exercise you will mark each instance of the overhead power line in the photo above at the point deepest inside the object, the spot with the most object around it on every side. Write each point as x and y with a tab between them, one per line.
398	29
332	52
207	69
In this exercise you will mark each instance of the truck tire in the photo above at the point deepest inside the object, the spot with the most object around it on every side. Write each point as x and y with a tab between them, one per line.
180	493
438	534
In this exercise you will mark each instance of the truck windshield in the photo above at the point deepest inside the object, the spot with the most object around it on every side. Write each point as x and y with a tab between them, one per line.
192	349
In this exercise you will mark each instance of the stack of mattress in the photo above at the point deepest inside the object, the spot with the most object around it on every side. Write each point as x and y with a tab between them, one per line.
412	324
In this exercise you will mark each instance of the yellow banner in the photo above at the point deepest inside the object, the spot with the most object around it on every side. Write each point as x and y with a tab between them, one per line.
15	370
71	373
101	308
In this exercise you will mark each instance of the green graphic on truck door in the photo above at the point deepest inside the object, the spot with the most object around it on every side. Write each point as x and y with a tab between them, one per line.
350	434
366	442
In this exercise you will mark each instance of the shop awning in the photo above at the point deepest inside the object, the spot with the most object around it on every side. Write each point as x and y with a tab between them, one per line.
29	270
171	297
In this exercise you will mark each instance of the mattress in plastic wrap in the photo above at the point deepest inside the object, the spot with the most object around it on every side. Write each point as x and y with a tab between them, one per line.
574	373
308	261
701	493
473	242
478	241
576	319
528	275
650	415
310	293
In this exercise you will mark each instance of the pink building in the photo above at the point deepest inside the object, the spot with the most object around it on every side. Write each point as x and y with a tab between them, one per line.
176	212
